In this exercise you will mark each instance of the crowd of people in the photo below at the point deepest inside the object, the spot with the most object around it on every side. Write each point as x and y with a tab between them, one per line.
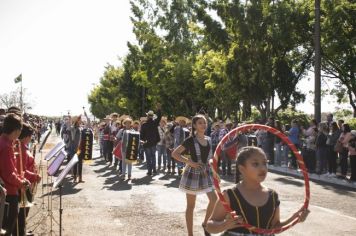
19	134
183	147
328	147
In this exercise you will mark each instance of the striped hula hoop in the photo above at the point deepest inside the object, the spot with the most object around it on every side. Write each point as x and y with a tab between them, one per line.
284	138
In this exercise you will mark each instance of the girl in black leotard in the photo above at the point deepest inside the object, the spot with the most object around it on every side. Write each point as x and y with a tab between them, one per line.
253	203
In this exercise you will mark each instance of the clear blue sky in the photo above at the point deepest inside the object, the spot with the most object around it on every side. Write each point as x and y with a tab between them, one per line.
62	46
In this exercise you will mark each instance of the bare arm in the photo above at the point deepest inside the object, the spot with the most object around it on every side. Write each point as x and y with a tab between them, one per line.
221	220
276	223
177	155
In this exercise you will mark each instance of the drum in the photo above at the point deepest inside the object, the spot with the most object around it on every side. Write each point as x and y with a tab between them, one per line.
132	146
87	144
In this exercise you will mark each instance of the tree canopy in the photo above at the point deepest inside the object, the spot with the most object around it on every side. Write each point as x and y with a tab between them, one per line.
226	56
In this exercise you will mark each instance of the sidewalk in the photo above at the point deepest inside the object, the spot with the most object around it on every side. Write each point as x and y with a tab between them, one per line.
314	177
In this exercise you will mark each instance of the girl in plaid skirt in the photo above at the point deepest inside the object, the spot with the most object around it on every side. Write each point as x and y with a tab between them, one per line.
195	152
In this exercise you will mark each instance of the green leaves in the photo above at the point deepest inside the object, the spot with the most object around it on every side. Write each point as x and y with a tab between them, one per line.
225	55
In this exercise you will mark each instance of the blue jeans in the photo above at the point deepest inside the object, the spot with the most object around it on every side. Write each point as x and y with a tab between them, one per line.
162	151
150	158
126	164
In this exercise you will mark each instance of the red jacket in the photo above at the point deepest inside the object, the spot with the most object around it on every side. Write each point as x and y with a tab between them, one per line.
28	165
8	171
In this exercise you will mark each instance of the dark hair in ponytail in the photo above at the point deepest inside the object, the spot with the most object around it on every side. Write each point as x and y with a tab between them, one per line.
244	154
194	121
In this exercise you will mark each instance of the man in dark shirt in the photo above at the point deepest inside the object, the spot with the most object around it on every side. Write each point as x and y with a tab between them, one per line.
150	137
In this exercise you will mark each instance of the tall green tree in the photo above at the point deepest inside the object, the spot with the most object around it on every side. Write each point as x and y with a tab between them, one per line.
267	45
338	47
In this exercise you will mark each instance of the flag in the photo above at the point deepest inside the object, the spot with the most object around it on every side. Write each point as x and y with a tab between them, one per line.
18	79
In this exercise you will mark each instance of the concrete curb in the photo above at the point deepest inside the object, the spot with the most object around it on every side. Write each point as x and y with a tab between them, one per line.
314	177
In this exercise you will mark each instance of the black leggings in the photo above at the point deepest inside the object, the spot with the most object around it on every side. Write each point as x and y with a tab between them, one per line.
78	167
21	222
353	167
343	162
332	156
11	213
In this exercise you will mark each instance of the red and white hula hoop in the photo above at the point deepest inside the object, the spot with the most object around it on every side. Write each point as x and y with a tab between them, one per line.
216	178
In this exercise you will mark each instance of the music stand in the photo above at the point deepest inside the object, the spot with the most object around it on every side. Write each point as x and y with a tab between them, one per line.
58	183
54	151
44	140
56	163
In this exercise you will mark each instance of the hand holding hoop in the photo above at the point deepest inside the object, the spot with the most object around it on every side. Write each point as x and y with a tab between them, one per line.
300	215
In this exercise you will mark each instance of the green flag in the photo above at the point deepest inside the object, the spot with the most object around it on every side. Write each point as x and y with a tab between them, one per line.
18	79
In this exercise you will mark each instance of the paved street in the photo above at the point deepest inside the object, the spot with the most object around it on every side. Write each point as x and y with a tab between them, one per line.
105	205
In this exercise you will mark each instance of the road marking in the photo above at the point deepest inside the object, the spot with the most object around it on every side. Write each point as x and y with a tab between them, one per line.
334	212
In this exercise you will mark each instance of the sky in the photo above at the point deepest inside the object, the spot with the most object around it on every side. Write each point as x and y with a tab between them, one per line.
61	47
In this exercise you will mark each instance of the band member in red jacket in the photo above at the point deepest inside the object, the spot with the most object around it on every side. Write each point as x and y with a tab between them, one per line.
28	168
8	172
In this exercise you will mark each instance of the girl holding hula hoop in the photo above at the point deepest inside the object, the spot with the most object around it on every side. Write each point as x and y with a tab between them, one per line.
196	178
252	202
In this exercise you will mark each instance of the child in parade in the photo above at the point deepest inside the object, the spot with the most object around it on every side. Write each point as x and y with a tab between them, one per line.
252	202
123	137
179	137
196	178
161	147
169	143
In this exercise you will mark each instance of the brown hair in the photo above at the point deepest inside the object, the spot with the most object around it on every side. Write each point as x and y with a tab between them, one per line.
11	123
26	131
244	154
194	121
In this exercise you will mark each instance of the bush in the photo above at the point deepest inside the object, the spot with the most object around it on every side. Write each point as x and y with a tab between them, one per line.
352	123
286	117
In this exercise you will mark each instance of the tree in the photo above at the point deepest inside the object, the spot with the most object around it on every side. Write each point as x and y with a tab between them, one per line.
338	47
267	47
12	98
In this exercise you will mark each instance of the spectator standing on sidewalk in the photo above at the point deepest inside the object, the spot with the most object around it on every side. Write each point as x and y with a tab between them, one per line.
269	142
352	156
293	135
309	154
321	147
332	154
344	139
278	144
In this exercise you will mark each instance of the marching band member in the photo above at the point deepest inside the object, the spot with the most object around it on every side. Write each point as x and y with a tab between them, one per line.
75	132
28	168
150	137
2	204
123	133
13	181
179	137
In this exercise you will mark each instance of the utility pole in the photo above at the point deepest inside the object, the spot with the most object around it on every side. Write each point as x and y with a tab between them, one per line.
317	64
